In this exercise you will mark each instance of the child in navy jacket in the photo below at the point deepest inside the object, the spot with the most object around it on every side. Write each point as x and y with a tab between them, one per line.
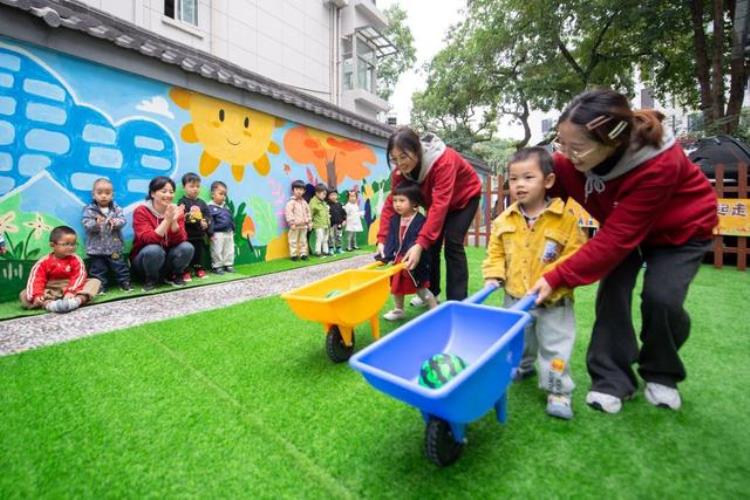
222	230
403	229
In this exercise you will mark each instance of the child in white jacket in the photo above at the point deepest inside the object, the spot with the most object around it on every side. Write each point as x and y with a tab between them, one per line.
353	221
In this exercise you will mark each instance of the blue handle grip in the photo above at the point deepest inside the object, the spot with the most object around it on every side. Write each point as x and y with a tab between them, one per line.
526	302
482	294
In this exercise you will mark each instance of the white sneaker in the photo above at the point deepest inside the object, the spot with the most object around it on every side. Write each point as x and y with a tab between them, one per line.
662	396
394	315
417	302
559	406
604	402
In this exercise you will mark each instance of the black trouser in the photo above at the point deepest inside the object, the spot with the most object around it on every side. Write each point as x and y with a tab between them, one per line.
665	323
197	261
454	231
99	266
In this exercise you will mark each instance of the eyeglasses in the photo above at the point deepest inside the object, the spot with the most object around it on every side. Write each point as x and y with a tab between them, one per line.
401	159
69	245
571	153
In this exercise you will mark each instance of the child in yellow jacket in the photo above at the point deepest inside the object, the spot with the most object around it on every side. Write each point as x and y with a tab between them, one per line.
529	238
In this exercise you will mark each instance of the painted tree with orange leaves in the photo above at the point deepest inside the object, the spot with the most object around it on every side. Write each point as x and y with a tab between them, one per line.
334	158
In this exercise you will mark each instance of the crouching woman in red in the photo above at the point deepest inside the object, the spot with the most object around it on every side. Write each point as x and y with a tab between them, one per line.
654	207
160	247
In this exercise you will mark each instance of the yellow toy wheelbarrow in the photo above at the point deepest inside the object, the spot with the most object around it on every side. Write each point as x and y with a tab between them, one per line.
342	301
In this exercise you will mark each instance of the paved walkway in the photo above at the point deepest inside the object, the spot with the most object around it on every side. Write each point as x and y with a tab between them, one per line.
22	334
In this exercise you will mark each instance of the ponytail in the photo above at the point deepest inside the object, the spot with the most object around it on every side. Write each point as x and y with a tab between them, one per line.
648	130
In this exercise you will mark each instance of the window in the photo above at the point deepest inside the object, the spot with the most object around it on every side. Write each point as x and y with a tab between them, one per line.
358	70
182	10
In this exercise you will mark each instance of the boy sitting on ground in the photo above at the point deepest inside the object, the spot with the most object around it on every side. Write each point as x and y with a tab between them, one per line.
58	281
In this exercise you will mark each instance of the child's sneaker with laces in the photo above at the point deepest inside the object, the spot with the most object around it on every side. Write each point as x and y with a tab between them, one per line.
229	269
186	276
417	302
559	406
200	273
662	396
394	315
604	402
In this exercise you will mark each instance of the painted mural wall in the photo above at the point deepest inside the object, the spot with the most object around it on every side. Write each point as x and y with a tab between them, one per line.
65	122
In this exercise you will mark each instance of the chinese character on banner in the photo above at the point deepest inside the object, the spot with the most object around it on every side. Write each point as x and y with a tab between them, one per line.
734	219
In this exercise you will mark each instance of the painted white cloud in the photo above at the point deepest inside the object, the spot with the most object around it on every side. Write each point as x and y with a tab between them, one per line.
157	105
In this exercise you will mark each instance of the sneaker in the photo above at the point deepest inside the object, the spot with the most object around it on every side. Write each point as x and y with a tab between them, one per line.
304	257
417	302
200	273
102	291
295	258
662	396
520	375
356	247
71	304
186	276
604	402
61	306
126	287
559	406
394	315
229	269
218	270
148	286
175	280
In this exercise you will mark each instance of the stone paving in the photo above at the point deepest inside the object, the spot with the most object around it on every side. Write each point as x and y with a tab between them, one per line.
22	334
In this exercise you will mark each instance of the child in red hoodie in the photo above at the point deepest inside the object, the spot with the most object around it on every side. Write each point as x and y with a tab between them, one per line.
58	281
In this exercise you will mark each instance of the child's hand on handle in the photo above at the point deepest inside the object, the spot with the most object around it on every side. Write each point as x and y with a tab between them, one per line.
412	256
493	281
542	289
380	248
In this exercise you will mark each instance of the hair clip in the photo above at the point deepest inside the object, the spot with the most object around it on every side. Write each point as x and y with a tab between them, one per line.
597	122
617	130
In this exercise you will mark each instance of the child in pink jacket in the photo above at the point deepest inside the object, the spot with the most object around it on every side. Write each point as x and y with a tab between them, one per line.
299	219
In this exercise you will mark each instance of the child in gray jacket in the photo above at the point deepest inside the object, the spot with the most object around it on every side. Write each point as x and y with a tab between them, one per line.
103	220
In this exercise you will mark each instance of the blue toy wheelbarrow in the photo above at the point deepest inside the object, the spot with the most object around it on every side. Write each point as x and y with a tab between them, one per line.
489	339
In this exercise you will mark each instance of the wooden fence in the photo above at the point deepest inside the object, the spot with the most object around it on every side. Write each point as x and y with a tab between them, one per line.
494	198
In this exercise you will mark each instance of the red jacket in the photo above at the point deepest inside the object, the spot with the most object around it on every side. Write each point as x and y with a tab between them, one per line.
144	229
47	268
449	185
664	201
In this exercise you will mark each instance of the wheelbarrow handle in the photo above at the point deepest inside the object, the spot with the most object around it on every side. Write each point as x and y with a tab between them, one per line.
482	294
525	303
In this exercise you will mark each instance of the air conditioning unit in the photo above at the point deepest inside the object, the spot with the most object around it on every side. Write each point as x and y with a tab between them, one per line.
338	3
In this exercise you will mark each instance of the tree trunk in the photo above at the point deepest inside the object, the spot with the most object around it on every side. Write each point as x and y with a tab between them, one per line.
738	72
524	119
717	64
701	62
331	173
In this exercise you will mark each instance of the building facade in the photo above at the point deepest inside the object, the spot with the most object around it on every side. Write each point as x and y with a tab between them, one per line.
326	48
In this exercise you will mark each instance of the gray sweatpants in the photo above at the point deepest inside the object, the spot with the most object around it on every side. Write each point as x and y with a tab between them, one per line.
548	339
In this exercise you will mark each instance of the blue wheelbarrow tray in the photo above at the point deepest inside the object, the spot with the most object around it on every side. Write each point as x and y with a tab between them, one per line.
489	339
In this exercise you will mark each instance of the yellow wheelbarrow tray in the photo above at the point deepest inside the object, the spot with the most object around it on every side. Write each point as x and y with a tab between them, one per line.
343	300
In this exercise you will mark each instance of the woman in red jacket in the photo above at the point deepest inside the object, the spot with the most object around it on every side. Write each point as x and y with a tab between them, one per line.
160	248
451	191
655	208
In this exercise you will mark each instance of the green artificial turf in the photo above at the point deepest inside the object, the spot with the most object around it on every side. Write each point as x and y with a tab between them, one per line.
12	309
242	402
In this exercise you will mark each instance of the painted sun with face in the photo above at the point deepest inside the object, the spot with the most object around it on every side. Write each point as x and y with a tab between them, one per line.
228	132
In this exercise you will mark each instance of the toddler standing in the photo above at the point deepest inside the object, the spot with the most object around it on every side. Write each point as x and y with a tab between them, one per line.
402	235
299	220
353	221
528	239
103	221
222	230
58	281
321	219
197	223
338	219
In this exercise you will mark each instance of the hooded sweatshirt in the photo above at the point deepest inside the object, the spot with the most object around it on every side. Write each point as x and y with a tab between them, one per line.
145	221
447	182
653	196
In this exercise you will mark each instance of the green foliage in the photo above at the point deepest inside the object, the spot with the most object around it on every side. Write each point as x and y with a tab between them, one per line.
266	224
391	67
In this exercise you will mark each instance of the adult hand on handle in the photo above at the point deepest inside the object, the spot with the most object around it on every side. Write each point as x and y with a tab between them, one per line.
380	249
542	289
411	259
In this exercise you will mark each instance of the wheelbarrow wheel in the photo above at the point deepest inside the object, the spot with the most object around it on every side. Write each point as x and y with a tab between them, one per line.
337	351
439	444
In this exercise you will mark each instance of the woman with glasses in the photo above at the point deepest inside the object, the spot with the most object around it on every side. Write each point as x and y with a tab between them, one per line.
451	191
655	208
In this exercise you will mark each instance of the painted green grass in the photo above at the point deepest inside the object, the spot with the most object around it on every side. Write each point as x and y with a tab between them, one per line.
242	402
13	309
